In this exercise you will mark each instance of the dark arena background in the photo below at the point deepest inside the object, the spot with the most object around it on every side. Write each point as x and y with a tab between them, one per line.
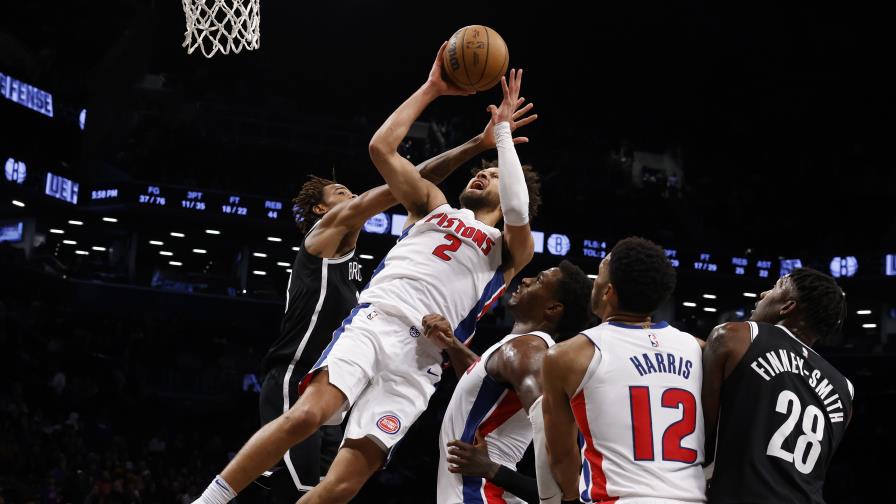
146	227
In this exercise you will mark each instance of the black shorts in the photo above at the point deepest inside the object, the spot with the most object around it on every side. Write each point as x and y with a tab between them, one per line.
307	461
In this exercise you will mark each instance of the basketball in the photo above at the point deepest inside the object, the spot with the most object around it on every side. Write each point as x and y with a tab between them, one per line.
476	58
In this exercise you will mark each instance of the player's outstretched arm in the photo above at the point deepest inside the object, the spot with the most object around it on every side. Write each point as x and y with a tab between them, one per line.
511	180
559	423
349	216
417	195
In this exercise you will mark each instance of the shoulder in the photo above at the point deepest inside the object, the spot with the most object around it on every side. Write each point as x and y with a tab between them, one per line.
522	353
728	335
569	351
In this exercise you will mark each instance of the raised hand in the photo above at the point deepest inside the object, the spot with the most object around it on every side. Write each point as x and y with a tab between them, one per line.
519	119
440	85
509	104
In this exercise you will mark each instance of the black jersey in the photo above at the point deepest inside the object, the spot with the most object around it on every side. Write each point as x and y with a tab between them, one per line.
320	294
783	412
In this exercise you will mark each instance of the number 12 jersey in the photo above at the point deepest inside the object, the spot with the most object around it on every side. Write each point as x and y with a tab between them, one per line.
638	408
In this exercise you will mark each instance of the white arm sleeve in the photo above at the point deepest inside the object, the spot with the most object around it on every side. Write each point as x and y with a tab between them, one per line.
511	181
548	489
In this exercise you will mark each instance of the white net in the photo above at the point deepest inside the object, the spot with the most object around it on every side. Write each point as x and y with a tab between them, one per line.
221	26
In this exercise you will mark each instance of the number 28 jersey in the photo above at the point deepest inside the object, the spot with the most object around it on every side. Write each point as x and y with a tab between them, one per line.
784	410
638	408
447	262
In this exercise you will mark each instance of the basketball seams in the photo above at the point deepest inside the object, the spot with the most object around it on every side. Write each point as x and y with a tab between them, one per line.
463	63
488	52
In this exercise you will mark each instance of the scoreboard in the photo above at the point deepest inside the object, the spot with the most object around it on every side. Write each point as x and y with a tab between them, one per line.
191	201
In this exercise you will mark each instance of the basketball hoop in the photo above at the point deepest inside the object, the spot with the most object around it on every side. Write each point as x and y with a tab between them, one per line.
221	26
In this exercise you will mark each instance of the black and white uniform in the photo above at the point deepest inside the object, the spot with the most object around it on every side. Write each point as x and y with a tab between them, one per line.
320	293
784	410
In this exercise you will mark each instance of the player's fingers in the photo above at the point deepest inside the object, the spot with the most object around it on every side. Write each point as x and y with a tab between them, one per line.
526	120
521	112
520	140
504	87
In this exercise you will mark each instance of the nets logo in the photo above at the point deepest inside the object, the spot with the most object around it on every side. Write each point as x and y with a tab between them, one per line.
15	171
558	244
414	332
388	424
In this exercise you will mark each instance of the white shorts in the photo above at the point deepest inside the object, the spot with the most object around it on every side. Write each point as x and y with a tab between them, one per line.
387	370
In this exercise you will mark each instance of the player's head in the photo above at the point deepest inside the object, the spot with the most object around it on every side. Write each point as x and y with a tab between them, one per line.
635	278
558	296
481	192
806	300
316	198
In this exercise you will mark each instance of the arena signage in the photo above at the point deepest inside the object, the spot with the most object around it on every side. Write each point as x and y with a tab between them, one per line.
26	95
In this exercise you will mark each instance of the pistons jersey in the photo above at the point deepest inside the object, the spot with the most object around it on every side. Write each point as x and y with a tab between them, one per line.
482	405
639	411
446	262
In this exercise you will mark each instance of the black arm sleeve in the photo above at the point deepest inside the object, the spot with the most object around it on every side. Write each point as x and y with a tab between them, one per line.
518	484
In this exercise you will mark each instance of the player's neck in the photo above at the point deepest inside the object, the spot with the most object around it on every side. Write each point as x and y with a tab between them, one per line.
626	318
798	329
528	326
488	217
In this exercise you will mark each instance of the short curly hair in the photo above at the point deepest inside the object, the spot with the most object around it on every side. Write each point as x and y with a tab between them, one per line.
533	184
311	194
821	303
641	275
573	290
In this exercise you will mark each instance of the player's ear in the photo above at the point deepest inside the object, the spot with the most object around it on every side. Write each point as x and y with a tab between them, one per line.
554	311
319	209
787	308
610	296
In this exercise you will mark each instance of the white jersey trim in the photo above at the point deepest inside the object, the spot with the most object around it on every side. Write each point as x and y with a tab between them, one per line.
324	270
592	366
754	330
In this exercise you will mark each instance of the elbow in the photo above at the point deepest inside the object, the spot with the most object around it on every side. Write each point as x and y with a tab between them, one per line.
377	148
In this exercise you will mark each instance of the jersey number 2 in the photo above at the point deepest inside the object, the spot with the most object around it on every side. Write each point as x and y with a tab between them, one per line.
442	250
642	424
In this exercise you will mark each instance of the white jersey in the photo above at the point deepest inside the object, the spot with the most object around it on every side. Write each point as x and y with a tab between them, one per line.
447	262
480	404
638	408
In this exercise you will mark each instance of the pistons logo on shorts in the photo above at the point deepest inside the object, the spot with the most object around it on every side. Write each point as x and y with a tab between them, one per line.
389	424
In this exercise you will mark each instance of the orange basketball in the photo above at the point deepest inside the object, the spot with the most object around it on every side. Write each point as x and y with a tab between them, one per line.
476	58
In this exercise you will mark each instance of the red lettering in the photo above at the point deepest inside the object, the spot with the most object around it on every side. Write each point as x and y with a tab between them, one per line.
460	226
449	223
468	232
436	216
488	246
479	238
